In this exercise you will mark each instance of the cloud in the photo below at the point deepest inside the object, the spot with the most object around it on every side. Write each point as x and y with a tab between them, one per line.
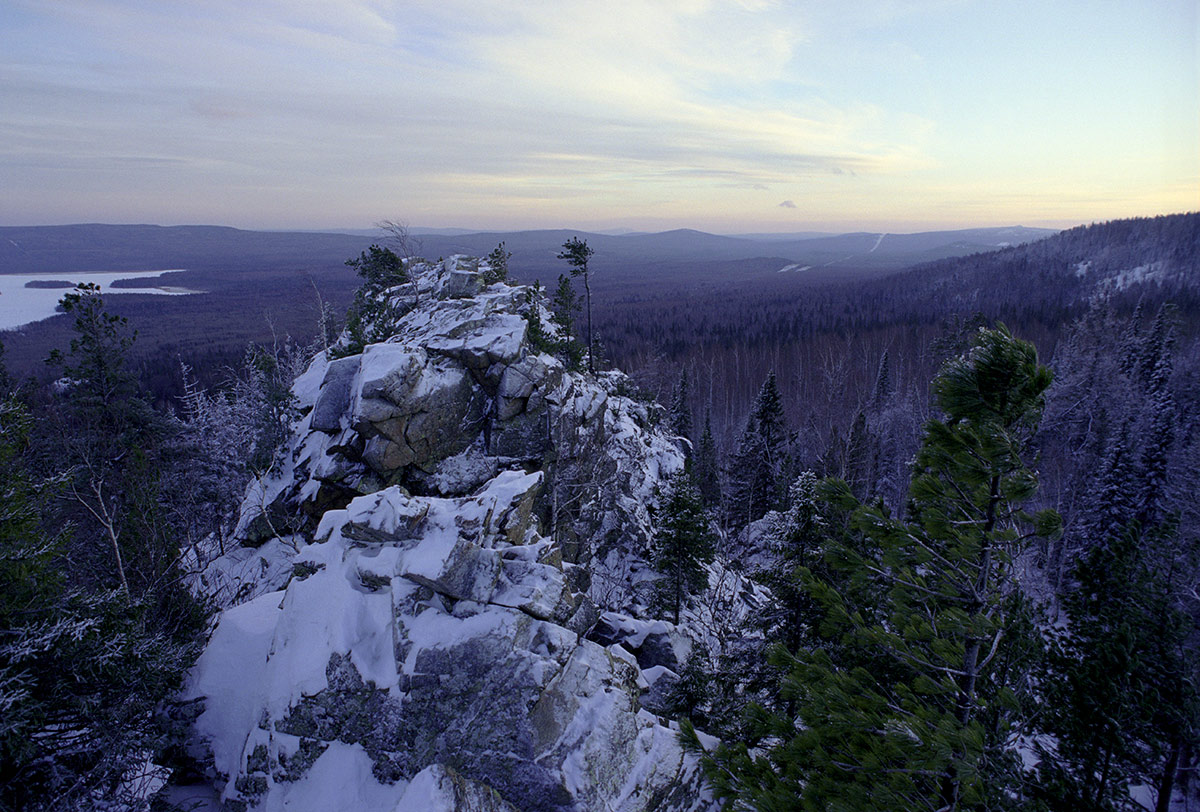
787	204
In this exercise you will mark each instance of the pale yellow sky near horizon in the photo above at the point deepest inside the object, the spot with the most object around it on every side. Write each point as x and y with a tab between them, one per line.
738	116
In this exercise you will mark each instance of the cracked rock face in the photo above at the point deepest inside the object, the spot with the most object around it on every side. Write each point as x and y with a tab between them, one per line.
428	650
423	632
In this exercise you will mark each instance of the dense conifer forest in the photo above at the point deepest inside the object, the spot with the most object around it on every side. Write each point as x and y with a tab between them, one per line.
962	497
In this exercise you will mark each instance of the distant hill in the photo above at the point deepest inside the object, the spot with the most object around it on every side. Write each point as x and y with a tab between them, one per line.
1157	258
97	247
537	249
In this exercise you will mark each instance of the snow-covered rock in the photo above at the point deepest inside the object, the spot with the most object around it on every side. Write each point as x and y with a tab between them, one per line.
419	640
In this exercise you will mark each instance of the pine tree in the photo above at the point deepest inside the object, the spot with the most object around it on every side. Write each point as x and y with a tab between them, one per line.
105	431
497	265
535	329
82	672
909	699
683	543
375	311
757	464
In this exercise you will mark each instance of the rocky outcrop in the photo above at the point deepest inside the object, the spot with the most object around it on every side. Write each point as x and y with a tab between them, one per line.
457	504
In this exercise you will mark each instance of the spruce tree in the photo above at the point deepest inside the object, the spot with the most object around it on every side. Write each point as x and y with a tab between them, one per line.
1119	691
707	469
796	540
909	699
883	383
562	315
6	381
757	464
1160	422
860	471
1131	342
683	543
680	412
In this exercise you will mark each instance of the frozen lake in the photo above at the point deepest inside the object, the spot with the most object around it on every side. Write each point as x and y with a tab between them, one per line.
21	305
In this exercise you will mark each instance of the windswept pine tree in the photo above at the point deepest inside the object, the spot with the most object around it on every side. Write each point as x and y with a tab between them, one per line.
577	254
374	313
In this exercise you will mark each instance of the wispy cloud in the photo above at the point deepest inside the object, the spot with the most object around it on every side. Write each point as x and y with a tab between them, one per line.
342	111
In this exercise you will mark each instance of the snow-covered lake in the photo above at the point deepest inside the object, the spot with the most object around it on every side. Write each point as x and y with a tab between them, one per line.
21	305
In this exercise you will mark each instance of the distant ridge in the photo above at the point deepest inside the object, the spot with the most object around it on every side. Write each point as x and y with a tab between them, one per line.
107	247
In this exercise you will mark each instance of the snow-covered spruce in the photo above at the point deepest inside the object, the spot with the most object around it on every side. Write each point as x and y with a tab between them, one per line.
404	630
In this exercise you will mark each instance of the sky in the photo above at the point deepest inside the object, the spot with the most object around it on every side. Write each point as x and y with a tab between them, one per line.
731	117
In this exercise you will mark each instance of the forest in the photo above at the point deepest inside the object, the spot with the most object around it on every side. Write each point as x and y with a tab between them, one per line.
965	489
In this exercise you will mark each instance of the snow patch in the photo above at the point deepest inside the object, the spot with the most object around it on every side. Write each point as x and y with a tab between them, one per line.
231	675
340	780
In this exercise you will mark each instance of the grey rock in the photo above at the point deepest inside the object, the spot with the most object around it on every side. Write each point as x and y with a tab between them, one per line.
386	456
461	284
657	649
508	408
368	411
497	338
453	629
657	698
390	371
523	436
333	401
519	379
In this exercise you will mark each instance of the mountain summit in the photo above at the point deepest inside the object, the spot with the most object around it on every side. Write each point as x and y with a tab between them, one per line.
408	616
